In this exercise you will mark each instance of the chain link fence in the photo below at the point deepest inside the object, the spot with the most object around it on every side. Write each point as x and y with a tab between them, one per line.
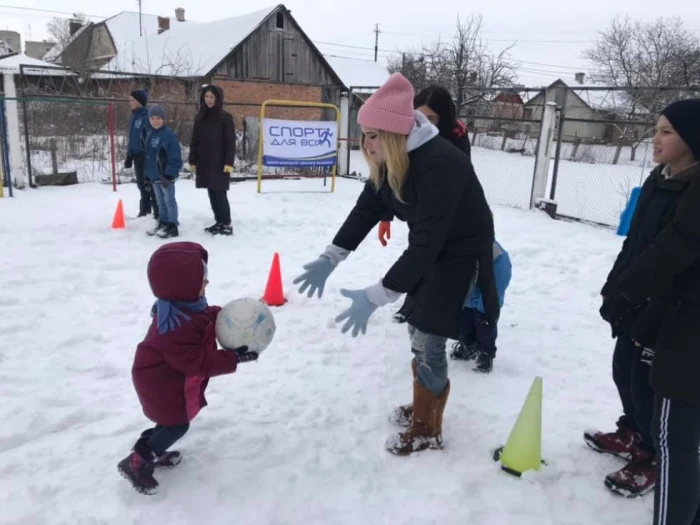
604	147
75	125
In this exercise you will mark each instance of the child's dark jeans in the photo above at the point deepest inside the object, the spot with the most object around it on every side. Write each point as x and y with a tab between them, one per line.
478	331
160	438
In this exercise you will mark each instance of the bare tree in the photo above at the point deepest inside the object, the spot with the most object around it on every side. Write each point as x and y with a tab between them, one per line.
656	54
464	64
59	29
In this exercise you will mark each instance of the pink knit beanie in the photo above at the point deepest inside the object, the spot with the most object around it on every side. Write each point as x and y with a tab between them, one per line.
390	108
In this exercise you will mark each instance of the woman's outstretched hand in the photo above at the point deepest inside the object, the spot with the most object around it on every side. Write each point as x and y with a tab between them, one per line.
359	312
315	276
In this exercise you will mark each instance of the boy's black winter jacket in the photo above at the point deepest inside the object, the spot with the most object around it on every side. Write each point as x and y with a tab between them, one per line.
664	282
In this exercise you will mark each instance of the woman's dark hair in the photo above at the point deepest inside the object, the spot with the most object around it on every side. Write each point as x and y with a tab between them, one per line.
440	101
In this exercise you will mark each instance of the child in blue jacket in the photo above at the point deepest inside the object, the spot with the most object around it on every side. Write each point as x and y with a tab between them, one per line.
478	333
163	164
136	156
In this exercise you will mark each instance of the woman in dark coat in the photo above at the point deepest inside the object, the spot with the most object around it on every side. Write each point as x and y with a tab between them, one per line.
435	102
431	185
212	152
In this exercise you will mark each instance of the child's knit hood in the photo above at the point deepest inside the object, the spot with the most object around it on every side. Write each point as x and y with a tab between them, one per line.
176	272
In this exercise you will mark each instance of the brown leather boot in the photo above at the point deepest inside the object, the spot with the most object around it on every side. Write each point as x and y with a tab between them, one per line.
403	415
425	431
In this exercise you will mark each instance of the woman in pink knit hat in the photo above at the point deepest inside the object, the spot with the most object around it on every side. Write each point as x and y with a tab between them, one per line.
431	185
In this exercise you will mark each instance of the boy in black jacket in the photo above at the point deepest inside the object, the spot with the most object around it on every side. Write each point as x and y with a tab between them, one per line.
633	439
664	285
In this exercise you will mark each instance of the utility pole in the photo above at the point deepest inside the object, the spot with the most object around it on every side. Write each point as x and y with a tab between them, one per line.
140	26
376	41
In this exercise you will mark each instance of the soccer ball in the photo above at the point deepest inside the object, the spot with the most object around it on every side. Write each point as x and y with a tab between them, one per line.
245	322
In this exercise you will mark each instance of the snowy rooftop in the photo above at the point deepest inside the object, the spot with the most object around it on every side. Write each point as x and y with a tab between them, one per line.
186	49
357	72
53	54
12	64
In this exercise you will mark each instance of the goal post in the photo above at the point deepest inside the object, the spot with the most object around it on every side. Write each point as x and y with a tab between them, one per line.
298	143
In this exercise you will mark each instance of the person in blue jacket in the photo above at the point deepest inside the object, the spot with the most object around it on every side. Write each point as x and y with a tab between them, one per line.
135	156
478	333
163	164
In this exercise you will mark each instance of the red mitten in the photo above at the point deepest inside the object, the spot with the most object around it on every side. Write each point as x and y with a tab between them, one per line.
384	232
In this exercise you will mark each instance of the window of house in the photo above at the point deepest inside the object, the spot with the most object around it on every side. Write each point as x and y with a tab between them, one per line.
280	20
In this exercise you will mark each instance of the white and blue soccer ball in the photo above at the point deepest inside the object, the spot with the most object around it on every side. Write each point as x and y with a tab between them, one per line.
245	322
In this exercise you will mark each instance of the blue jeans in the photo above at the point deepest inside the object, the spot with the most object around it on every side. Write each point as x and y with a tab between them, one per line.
431	358
165	197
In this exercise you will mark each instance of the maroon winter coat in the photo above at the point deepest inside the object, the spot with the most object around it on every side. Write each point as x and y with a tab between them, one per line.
171	371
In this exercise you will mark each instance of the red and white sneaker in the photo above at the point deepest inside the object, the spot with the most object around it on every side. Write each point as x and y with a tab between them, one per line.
622	443
635	479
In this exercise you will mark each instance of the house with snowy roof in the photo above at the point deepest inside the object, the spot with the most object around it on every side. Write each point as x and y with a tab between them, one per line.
589	114
255	57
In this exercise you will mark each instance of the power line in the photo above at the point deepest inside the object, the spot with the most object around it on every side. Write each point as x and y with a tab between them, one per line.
33	9
515	60
512	40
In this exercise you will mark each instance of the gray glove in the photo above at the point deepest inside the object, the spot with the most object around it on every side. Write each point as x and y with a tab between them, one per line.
317	271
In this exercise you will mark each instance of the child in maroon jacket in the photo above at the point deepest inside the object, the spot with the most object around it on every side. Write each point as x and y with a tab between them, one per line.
174	362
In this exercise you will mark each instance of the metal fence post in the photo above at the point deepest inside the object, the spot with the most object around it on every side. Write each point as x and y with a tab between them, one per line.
557	155
111	122
344	138
543	154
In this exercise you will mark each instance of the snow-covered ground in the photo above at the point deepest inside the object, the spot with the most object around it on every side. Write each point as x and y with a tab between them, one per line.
296	438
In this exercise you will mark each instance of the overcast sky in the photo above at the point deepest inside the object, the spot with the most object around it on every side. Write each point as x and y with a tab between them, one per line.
549	35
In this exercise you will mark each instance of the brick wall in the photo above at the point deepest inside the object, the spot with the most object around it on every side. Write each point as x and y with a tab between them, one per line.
255	93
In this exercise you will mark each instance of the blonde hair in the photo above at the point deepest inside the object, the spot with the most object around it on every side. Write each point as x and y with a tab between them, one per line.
395	165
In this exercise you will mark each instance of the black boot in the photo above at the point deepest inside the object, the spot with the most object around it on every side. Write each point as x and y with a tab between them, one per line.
169	231
463	352
144	207
213	228
484	363
223	229
155	231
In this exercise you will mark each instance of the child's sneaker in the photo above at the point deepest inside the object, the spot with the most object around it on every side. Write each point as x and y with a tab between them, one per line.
212	228
622	443
223	229
169	231
161	225
168	459
484	363
463	352
635	479
139	472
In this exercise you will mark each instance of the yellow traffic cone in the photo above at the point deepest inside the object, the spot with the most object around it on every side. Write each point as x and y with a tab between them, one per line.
523	450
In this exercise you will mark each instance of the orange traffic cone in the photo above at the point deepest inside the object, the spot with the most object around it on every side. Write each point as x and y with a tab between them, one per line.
118	222
274	294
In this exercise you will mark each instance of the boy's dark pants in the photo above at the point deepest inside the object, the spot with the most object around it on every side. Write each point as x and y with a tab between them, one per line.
631	369
477	330
677	437
148	198
220	206
160	438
